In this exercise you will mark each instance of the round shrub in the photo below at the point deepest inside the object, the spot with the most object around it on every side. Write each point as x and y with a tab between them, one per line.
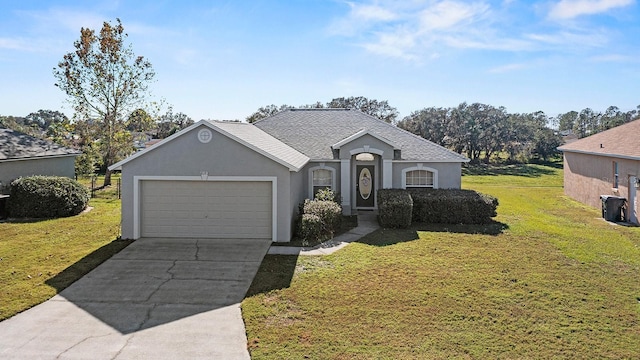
310	228
46	197
329	212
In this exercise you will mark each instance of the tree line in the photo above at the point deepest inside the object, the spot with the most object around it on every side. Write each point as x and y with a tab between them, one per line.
107	86
588	122
380	109
481	131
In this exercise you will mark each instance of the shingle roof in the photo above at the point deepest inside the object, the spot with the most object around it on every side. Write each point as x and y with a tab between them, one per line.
263	143
15	145
621	141
314	131
244	133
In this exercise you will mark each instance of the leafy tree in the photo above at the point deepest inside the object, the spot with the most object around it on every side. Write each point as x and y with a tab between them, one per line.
266	111
380	109
567	120
90	159
105	81
61	132
545	143
140	121
43	119
430	123
170	123
17	123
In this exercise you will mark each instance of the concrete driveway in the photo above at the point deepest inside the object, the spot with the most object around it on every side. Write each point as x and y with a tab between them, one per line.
156	299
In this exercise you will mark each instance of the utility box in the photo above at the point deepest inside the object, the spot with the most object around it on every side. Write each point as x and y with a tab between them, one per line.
613	207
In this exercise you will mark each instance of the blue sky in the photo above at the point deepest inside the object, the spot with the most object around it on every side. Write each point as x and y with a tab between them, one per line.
224	59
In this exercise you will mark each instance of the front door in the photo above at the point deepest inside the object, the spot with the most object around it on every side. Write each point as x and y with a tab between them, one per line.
365	186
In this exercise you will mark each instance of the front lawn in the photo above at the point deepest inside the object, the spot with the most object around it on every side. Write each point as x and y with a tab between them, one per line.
549	280
39	258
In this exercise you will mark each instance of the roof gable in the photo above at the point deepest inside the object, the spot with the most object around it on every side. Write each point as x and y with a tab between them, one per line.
620	141
243	133
360	134
313	132
15	145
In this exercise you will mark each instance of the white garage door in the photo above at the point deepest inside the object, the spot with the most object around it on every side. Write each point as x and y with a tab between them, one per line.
212	209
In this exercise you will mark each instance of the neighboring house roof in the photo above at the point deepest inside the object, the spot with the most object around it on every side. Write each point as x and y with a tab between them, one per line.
15	145
243	133
313	132
620	141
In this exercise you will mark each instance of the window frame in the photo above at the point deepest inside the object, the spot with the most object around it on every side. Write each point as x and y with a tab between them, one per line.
616	175
420	167
331	170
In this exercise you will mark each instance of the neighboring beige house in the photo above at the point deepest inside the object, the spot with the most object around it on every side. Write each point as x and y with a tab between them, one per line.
24	155
239	180
607	163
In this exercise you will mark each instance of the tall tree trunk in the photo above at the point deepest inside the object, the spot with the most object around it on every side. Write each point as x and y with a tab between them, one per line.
107	177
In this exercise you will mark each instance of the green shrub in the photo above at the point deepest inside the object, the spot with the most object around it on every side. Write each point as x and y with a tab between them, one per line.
395	208
329	212
46	197
452	206
310	228
327	195
318	221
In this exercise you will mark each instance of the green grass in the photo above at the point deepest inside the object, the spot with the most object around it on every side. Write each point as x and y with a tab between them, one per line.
109	192
549	280
39	258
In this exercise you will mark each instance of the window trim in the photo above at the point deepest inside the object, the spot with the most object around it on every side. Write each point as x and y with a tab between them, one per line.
420	167
322	166
616	175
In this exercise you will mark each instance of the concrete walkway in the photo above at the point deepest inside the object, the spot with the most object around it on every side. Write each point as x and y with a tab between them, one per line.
156	299
367	223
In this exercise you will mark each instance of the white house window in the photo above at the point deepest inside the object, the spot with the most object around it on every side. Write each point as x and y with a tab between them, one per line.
419	178
321	179
616	176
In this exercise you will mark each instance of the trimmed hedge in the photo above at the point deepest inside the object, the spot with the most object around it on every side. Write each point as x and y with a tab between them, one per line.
46	197
398	208
395	208
452	206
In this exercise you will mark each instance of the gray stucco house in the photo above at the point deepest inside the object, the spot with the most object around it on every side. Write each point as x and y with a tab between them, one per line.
24	155
239	180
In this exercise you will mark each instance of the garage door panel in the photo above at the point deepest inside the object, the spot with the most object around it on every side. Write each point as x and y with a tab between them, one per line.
217	209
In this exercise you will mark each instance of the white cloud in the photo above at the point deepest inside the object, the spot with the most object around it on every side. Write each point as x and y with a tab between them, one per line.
568	9
371	12
507	68
448	14
593	38
398	44
16	44
418	30
362	17
617	58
